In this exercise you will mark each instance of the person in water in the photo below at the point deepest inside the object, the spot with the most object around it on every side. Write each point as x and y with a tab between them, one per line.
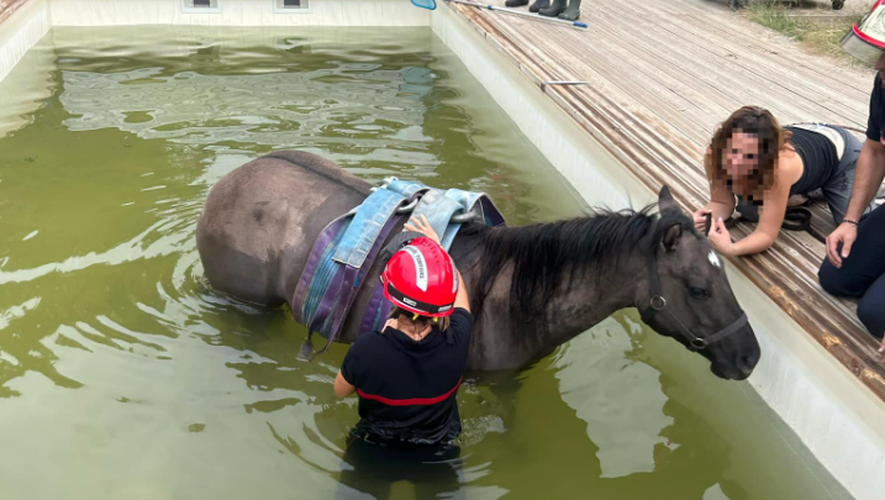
760	168
407	376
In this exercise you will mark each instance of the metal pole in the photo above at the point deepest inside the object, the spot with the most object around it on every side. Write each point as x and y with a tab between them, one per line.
544	84
576	24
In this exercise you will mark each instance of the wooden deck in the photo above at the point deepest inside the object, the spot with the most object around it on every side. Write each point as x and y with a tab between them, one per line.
661	76
7	7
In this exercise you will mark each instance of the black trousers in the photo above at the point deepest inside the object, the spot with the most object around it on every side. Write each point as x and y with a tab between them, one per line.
863	273
372	467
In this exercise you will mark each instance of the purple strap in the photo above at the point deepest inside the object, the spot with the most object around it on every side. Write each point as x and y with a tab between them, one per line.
323	241
338	292
371	314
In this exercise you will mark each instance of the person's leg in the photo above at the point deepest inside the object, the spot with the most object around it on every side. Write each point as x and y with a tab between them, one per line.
516	3
538	5
837	191
556	8
439	475
871	308
862	270
366	471
573	12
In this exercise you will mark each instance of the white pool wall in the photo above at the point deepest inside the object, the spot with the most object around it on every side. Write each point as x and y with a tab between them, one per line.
20	32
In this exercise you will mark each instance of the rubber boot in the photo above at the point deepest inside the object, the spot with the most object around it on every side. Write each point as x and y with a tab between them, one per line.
556	8
538	5
516	3
573	12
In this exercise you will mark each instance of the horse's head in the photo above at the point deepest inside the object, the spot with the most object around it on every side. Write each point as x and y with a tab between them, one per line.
688	296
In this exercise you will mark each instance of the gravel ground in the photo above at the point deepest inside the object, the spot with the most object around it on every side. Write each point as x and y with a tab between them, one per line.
855	5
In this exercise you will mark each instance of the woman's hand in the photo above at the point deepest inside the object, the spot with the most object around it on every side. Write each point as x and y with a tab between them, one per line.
720	238
421	226
700	219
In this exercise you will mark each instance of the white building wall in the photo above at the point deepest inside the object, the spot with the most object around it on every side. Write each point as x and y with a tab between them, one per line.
237	13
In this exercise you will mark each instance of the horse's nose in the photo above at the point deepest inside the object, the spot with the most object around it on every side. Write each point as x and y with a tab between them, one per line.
746	364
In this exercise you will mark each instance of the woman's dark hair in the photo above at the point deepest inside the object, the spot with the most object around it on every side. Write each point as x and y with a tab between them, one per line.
772	138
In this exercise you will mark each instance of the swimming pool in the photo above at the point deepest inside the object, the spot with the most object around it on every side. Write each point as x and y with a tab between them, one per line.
123	376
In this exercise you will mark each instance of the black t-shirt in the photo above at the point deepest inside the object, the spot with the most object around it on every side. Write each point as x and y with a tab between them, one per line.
406	388
875	125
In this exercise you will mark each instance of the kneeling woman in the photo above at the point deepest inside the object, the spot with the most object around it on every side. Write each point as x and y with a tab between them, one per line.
407	376
767	168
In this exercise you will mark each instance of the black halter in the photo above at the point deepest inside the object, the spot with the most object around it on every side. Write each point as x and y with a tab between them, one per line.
658	303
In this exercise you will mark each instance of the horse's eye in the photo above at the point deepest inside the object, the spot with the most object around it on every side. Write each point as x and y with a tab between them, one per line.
698	293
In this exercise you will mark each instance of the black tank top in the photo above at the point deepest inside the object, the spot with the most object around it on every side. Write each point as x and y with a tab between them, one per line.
819	159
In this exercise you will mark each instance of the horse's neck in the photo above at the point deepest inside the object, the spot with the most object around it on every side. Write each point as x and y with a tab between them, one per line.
603	288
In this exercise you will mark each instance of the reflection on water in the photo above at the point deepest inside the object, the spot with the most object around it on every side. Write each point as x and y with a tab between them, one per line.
123	376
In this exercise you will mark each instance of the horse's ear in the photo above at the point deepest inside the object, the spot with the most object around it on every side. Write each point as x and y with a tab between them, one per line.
671	237
665	200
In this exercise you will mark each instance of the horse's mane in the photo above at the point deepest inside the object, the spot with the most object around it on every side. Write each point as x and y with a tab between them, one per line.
543	255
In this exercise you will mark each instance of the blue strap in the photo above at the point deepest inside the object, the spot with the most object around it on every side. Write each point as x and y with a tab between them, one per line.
408	189
438	209
367	223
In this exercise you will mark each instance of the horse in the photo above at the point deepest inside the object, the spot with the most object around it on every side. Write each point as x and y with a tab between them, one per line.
531	288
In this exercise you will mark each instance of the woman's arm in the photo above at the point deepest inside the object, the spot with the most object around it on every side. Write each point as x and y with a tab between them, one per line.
771	218
422	226
342	386
721	204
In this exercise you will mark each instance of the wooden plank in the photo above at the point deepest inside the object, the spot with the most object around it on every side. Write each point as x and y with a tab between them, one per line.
8	7
736	31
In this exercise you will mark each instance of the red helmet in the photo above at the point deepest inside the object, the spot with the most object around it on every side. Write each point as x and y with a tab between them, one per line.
866	39
421	278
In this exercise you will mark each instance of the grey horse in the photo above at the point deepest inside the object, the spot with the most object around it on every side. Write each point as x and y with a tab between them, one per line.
532	288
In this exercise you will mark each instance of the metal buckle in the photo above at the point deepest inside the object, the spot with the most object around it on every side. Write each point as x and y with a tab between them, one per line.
464	218
386	182
698	343
658	299
408	208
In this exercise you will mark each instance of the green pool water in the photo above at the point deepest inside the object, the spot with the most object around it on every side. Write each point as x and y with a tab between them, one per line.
123	377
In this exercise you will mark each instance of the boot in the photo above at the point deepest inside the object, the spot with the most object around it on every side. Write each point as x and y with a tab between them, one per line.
516	3
556	8
538	5
573	12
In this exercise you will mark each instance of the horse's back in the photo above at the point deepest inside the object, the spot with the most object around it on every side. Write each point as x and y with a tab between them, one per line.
260	221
